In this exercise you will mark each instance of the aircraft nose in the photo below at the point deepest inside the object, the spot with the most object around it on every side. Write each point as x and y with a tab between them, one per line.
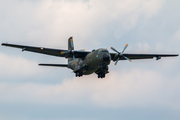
106	57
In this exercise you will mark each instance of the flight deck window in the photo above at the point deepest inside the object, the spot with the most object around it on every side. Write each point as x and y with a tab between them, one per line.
102	51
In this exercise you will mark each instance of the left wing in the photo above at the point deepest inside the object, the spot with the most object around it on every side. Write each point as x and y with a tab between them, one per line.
49	51
142	56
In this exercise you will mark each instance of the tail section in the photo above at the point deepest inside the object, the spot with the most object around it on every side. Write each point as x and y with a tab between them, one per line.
70	47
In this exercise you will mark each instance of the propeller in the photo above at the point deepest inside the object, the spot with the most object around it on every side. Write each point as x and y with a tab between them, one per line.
71	52
67	53
120	54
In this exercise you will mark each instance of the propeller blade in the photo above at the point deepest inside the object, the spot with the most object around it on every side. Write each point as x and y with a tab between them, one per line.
115	50
125	48
70	52
74	59
117	61
81	50
127	58
121	54
64	52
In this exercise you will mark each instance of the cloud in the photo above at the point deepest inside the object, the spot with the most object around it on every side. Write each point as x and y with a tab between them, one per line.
16	66
93	24
142	48
52	22
129	88
177	35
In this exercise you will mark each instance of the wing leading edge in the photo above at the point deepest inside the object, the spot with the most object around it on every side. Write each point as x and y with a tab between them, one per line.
143	56
49	51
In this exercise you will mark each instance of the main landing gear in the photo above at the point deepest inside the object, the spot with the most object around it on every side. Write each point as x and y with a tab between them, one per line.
101	75
102	71
79	74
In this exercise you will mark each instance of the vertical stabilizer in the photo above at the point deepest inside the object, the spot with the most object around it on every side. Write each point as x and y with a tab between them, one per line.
70	44
70	47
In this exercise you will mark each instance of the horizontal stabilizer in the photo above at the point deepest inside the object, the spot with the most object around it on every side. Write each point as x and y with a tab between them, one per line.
54	65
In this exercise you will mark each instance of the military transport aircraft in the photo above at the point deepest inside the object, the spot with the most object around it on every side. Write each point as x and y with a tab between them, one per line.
84	62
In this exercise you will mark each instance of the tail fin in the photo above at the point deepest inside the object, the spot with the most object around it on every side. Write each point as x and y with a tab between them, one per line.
70	47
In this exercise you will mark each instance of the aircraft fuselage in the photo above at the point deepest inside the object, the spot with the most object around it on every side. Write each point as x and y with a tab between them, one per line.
95	61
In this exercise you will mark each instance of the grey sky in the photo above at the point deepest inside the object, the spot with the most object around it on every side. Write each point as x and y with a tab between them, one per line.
143	89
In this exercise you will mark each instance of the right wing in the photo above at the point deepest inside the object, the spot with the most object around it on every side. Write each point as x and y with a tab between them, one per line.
49	51
142	56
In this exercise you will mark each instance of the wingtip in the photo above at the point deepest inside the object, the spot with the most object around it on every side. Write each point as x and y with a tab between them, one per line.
3	44
176	55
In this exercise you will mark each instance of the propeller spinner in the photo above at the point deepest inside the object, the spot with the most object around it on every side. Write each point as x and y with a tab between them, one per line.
120	54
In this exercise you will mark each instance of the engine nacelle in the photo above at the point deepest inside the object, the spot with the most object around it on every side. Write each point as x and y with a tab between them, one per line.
115	57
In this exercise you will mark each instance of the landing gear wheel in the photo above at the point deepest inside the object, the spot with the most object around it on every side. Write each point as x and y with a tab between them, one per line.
101	75
79	74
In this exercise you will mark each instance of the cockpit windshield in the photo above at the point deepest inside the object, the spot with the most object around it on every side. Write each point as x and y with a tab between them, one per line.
101	51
